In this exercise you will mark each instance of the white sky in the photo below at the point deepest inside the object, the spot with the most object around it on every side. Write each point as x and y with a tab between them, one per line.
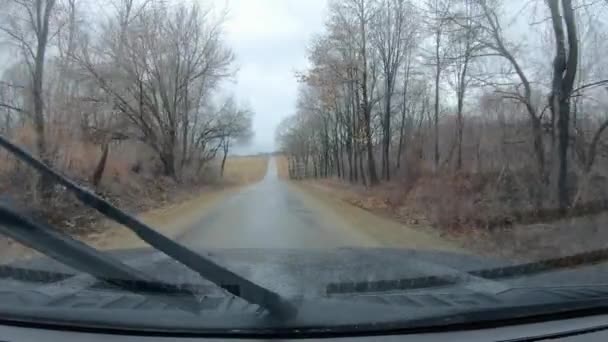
270	39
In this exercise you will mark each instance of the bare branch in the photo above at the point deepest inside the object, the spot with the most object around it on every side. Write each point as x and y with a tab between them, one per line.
17	109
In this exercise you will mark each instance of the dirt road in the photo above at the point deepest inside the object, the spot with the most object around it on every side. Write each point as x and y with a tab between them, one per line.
276	214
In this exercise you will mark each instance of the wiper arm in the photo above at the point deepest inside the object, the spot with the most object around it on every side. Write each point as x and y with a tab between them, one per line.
208	269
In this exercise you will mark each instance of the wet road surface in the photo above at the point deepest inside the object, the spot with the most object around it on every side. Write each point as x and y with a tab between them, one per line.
272	214
292	242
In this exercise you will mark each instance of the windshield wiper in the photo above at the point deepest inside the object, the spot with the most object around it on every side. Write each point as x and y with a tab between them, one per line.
208	269
73	253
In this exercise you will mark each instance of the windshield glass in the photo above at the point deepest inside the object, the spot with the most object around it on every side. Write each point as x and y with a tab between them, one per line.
372	161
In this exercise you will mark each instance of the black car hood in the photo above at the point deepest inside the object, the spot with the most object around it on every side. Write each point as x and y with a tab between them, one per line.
347	287
296	273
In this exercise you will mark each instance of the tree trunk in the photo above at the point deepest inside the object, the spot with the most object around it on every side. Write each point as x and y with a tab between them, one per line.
169	153
436	125
562	180
349	153
7	122
371	164
400	144
101	165
361	170
462	88
459	133
44	184
404	110
356	156
355	143
326	147
387	138
366	109
341	161
168	161
305	165
539	150
564	73
185	129
436	114
226	148
337	156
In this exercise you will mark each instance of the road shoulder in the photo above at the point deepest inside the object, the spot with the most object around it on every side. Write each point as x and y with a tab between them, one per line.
172	220
385	232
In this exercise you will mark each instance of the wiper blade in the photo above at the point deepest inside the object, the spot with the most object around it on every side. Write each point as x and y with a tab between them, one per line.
79	256
208	269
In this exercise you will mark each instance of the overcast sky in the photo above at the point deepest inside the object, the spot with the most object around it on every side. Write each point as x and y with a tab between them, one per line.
270	39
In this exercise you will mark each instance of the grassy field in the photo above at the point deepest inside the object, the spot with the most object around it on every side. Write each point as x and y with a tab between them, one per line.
171	220
282	166
245	170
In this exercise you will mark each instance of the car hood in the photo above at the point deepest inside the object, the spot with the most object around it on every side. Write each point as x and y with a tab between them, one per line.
369	289
297	273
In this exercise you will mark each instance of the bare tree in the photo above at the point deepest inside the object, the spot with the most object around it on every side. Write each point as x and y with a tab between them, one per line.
28	25
565	67
13	87
357	17
492	38
438	11
463	37
168	61
393	33
234	128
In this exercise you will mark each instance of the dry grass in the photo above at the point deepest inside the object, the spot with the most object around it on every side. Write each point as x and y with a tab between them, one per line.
177	206
171	220
381	199
245	170
282	166
174	219
383	229
449	208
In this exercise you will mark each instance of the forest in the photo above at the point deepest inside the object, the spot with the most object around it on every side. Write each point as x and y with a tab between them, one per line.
124	97
483	112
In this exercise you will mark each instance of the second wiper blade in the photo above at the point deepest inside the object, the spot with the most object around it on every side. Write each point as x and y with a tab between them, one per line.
208	269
